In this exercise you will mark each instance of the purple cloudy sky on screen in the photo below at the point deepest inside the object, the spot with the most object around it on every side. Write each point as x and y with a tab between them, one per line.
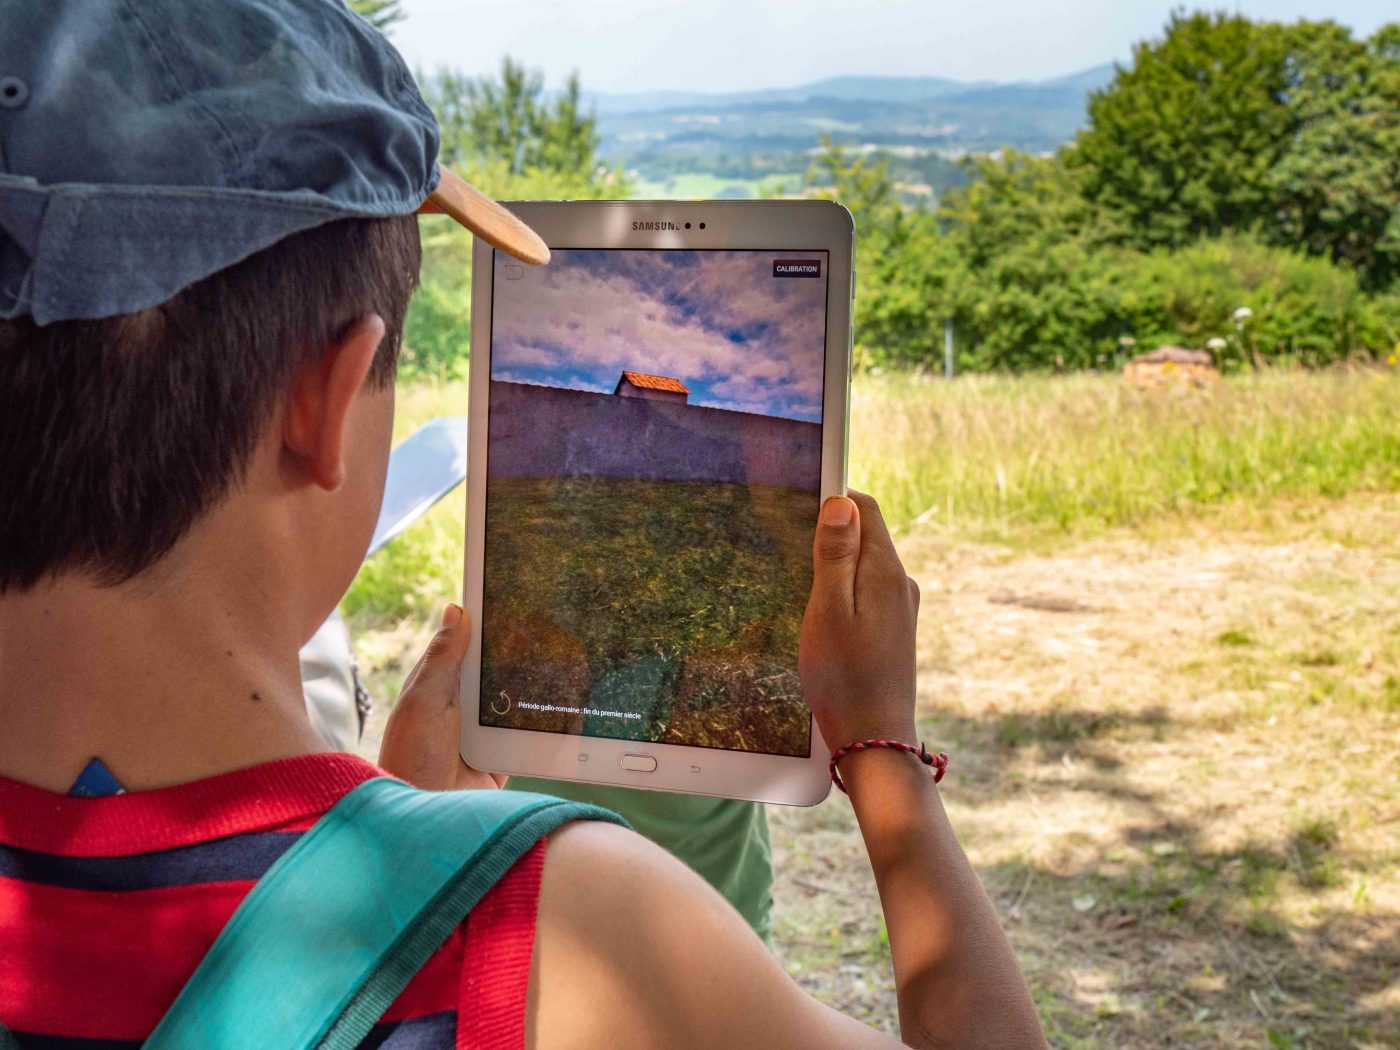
718	321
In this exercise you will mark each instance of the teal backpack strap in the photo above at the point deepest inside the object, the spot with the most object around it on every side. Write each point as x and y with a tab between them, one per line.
335	929
7	1041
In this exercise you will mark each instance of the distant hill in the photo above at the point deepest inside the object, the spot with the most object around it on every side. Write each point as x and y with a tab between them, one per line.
661	132
868	89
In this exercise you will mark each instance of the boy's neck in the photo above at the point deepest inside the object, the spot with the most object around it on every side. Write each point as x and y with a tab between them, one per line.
173	677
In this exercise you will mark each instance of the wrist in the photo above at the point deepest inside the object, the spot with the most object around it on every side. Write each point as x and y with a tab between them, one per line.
895	799
846	733
937	762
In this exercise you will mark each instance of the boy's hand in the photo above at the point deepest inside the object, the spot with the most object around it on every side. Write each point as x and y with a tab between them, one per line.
421	740
856	652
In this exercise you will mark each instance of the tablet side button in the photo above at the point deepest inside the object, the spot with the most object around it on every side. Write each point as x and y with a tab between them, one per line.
638	763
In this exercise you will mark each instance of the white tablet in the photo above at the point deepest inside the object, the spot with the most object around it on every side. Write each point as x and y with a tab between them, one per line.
655	417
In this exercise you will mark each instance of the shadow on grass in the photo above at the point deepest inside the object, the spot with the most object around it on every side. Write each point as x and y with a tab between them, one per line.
1063	730
1165	939
1190	953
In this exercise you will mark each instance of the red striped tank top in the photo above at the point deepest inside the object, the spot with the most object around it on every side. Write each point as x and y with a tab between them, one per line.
108	904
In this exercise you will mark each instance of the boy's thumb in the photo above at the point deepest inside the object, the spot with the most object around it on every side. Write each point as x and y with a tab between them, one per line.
421	737
836	549
448	648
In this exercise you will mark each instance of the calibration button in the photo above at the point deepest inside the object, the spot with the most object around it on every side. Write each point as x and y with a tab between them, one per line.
638	763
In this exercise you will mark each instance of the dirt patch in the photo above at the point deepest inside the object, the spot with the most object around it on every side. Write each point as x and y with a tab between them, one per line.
1175	758
1174	764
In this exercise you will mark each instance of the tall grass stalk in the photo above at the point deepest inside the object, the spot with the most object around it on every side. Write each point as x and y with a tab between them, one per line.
990	457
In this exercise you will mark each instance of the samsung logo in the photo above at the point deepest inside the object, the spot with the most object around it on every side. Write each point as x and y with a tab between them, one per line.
655	226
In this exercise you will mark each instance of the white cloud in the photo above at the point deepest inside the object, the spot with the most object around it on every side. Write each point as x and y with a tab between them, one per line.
593	314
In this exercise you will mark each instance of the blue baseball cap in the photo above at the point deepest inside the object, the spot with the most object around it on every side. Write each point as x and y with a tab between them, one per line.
146	144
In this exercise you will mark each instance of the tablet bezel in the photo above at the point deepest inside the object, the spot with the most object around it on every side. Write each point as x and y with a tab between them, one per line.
787	225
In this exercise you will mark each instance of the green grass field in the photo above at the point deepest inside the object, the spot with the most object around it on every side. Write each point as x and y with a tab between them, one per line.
663	611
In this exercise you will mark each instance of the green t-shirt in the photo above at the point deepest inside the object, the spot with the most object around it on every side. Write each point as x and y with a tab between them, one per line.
725	841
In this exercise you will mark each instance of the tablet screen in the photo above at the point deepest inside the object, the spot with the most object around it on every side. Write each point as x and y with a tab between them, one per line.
653	472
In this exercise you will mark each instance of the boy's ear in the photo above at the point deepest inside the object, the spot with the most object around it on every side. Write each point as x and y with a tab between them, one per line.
323	392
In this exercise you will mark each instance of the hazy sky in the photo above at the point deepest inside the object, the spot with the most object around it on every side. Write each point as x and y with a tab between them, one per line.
726	45
720	322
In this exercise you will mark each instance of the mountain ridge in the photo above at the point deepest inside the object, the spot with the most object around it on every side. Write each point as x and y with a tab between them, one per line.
726	144
850	88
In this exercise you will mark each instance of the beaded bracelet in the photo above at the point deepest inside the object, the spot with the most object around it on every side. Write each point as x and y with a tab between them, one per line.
939	762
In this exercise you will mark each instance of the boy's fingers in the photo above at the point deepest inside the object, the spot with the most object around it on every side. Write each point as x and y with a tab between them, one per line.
421	739
835	552
442	659
879	561
875	538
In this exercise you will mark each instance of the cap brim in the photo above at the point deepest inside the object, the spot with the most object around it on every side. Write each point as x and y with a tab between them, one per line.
490	221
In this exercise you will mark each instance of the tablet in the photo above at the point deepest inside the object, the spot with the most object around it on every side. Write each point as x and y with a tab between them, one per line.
655	417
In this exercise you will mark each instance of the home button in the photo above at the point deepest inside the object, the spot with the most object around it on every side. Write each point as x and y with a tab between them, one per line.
638	763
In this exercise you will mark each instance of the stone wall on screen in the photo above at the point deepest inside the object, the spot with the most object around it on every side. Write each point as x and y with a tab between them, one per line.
546	432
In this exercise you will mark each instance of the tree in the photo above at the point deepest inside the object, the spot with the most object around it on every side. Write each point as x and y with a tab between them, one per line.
1289	131
1015	198
1337	181
903	267
1036	288
510	120
379	13
1184	141
511	141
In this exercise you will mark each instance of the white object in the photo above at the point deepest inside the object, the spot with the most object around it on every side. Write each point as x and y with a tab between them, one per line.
797	231
328	684
425	466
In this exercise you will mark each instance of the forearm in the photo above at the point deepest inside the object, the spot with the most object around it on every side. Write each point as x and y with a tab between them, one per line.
957	980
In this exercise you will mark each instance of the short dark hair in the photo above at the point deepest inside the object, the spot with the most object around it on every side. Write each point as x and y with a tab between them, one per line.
117	435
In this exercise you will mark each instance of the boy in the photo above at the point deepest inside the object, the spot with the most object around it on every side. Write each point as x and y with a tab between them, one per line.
207	245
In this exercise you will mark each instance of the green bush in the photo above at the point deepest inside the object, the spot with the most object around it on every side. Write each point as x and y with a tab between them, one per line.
1305	309
1069	305
437	330
1035	278
1039	307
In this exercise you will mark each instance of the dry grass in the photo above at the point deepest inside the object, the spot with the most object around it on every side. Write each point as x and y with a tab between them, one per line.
1014	459
1175	765
1175	757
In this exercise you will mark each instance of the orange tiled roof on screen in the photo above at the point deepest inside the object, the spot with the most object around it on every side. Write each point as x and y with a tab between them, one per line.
651	382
